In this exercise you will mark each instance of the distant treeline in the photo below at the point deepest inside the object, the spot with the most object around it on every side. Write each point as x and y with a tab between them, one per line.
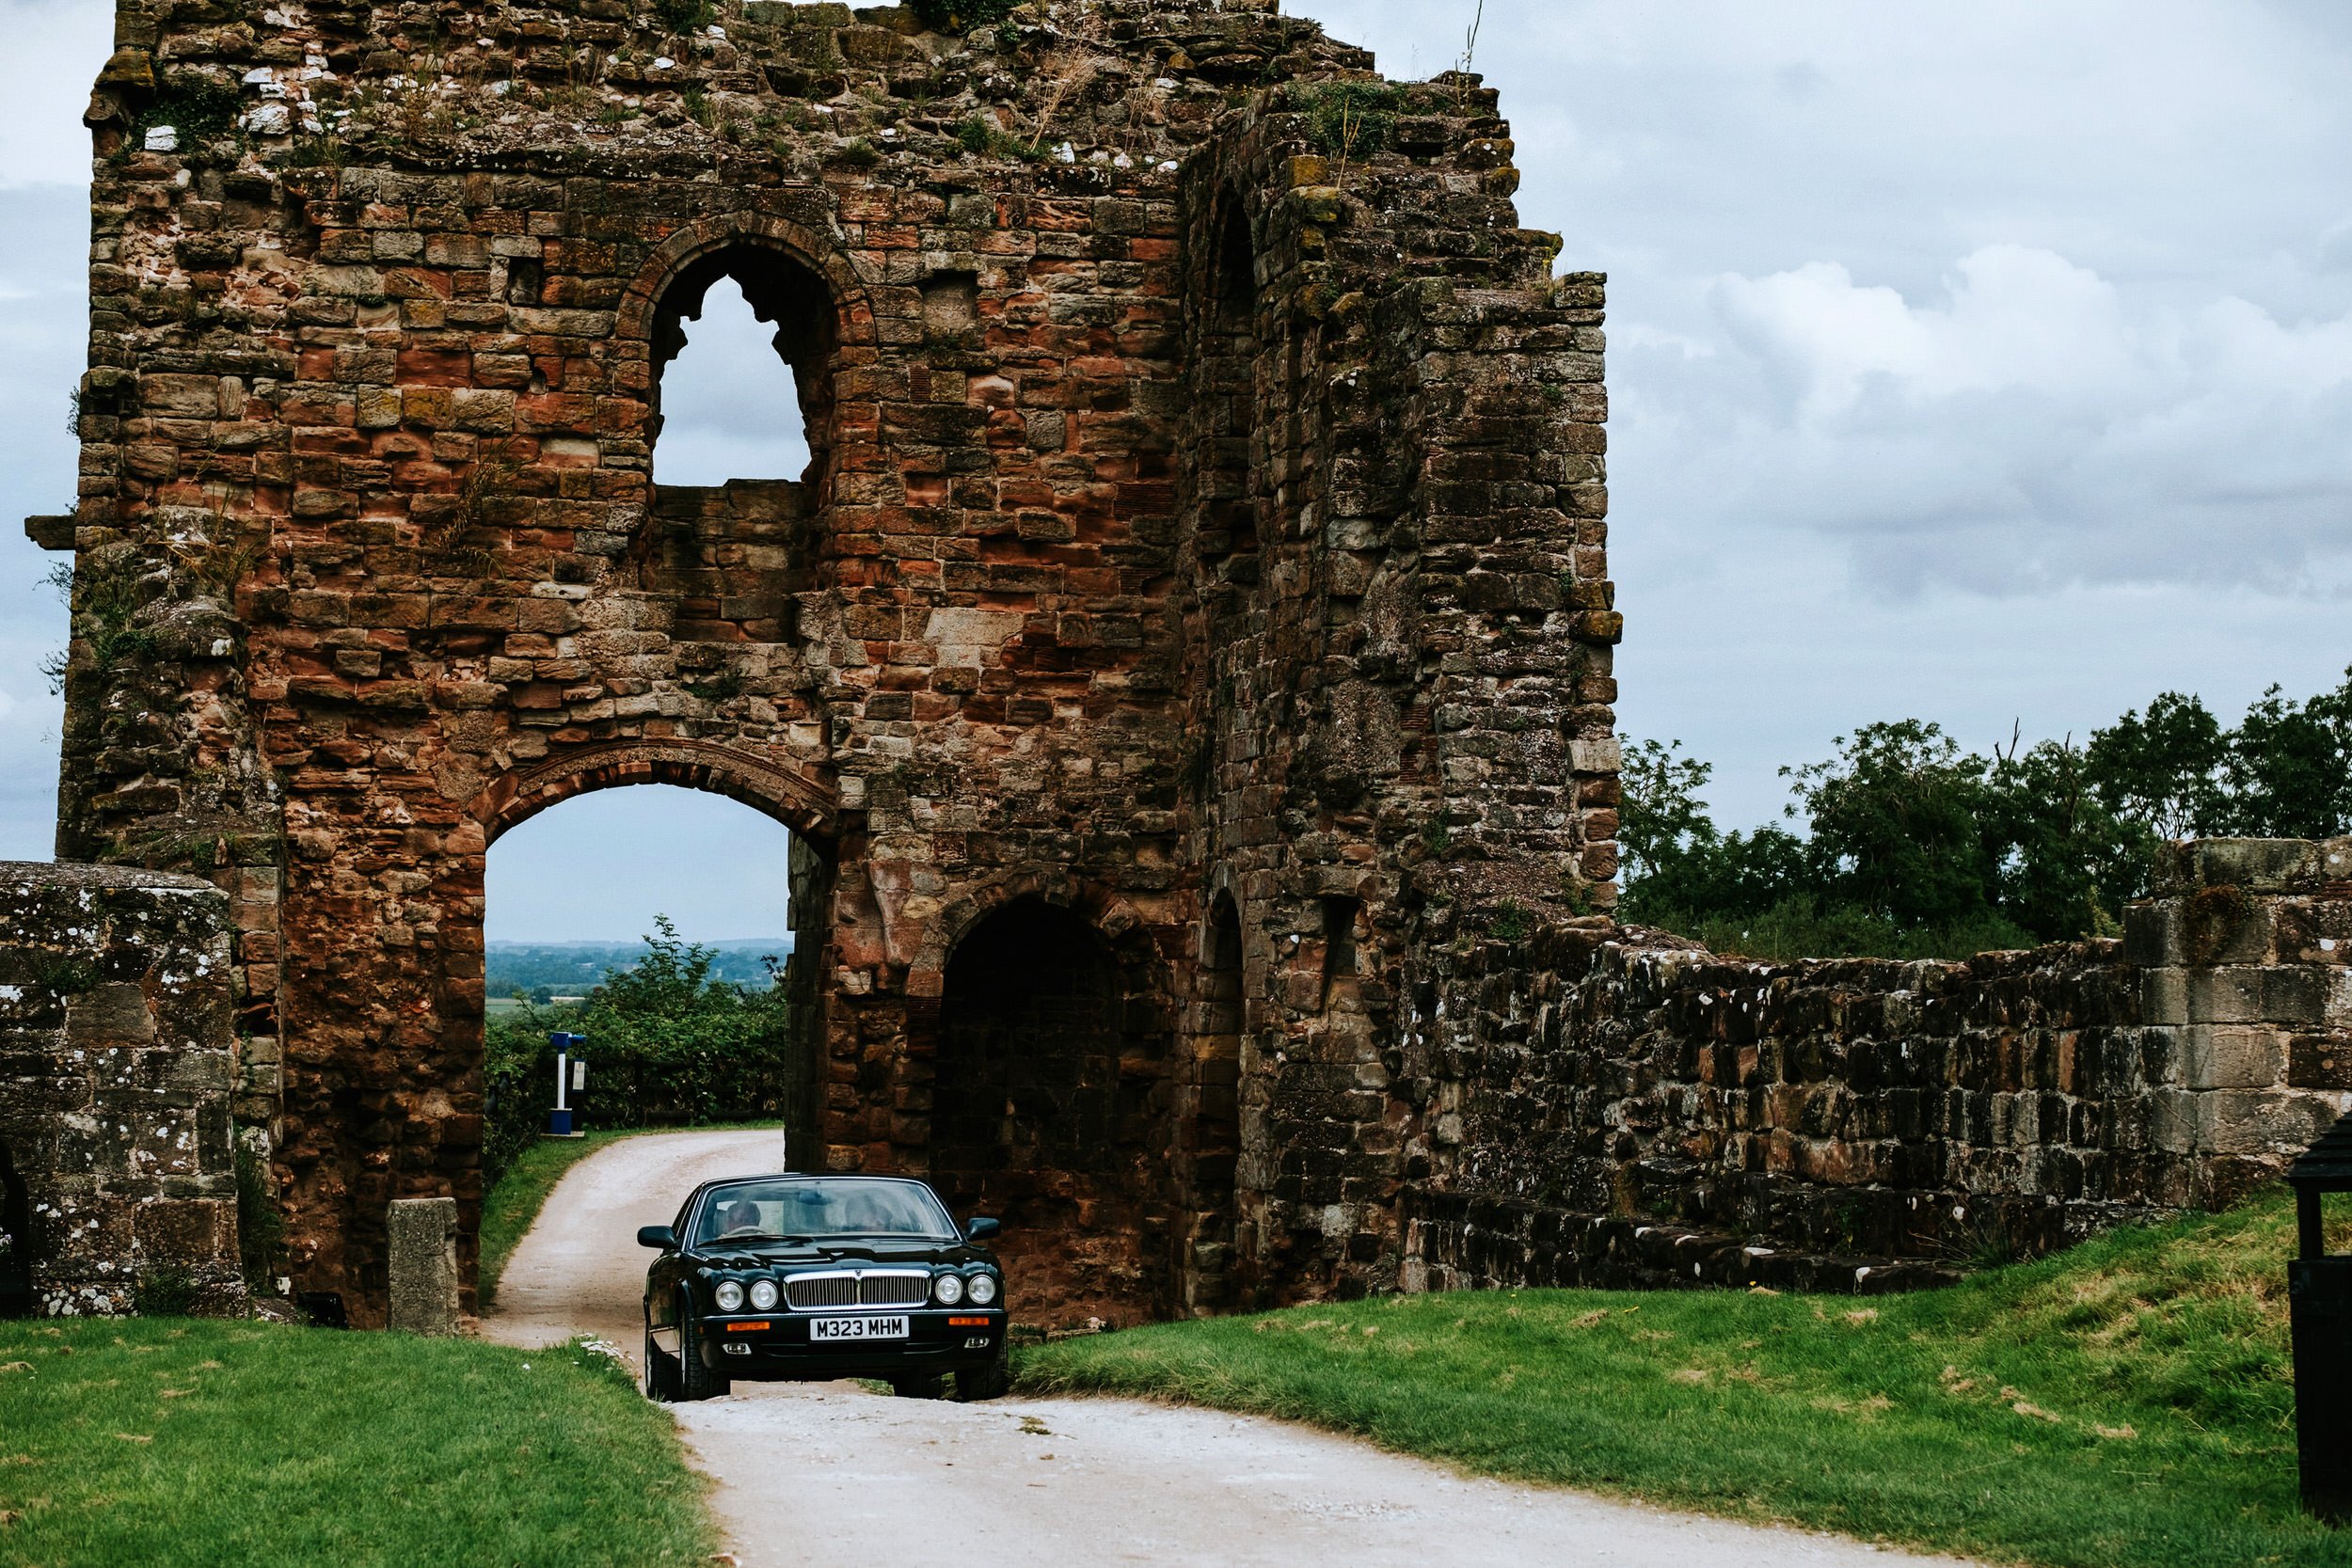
1905	845
542	970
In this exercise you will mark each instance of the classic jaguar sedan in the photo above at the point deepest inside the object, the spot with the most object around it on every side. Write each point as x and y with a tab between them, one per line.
816	1277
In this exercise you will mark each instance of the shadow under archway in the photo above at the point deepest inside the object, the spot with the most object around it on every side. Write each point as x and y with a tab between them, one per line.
1049	1110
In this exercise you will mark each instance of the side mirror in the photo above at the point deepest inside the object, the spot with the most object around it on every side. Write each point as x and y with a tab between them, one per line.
982	1228
656	1236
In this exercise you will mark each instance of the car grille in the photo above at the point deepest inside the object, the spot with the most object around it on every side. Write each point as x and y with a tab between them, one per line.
896	1288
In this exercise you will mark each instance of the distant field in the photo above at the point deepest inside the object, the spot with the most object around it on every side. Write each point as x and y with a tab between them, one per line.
574	968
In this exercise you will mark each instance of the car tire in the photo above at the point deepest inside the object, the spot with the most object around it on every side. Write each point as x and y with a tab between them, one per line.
931	1388
661	1372
697	1381
992	1382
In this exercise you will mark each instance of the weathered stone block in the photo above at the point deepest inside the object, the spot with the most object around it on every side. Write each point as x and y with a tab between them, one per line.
420	1250
2227	1056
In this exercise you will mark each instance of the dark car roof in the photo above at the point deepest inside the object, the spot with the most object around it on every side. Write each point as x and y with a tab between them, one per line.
810	1175
829	1178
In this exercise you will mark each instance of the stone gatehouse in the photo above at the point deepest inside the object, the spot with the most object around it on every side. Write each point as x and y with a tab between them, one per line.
1195	603
1184	664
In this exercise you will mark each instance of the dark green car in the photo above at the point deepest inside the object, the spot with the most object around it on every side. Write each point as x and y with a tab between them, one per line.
817	1278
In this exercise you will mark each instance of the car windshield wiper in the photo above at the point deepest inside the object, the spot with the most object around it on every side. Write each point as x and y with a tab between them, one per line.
761	1236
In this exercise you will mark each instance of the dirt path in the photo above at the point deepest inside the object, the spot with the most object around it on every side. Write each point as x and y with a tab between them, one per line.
815	1475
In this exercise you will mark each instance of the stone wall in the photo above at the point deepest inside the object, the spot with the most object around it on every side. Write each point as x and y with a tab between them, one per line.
1601	1105
117	1062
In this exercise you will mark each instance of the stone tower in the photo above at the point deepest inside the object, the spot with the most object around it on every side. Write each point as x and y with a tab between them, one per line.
1194	609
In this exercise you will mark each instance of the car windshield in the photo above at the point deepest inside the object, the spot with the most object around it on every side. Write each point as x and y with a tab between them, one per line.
813	1206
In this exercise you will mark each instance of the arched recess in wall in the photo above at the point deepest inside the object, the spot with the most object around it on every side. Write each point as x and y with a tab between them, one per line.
1050	1109
804	810
1229	528
1212	1150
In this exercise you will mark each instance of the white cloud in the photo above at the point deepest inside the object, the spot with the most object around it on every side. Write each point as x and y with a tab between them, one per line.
2020	320
2036	426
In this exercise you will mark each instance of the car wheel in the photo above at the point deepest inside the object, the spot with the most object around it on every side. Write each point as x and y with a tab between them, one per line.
661	1372
697	1381
991	1381
931	1388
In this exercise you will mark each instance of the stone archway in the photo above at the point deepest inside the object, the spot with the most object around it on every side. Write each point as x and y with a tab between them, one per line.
776	791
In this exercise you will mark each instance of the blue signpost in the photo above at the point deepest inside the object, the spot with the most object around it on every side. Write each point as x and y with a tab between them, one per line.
571	1076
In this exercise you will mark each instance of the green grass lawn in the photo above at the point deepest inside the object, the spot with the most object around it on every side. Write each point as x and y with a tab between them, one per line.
167	1441
2127	1402
510	1206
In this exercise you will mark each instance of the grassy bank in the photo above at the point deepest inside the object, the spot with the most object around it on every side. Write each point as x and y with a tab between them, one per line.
509	1209
169	1442
2125	1402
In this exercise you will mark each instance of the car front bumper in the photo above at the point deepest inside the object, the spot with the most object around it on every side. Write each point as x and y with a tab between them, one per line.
777	1345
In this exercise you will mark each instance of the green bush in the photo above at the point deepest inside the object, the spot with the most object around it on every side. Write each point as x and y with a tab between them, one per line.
666	1045
199	109
166	1291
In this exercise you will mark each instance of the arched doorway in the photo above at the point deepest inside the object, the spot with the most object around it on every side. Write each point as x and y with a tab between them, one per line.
1049	1108
638	827
16	1240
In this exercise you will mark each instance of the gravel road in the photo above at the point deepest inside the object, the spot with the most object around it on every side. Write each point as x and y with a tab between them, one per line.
816	1476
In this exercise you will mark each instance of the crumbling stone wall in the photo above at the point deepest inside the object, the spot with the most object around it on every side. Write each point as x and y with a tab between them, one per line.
1206	504
1614	1106
115	1068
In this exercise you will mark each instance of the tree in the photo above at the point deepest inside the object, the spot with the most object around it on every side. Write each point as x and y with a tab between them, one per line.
2063	864
2163	770
2287	770
1662	818
1895	824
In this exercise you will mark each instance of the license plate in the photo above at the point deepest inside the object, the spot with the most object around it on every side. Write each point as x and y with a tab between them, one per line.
823	1329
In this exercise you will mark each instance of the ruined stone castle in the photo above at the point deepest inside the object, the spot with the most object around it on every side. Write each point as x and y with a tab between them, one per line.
1185	667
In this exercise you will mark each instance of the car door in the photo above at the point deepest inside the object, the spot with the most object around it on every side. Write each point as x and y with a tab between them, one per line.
663	1280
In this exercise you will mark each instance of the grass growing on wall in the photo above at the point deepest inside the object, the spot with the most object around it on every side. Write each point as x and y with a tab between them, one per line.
2127	1401
183	1442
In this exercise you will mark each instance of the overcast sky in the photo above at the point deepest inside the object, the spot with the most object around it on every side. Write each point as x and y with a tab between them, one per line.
1981	362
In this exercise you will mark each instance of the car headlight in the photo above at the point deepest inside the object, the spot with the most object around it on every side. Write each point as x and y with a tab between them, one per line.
948	1289
763	1294
983	1288
728	1294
